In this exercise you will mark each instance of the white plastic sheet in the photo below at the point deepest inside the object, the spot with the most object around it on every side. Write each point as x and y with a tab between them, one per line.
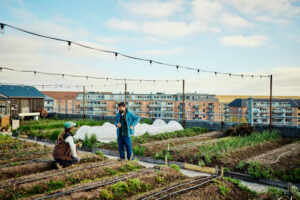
108	131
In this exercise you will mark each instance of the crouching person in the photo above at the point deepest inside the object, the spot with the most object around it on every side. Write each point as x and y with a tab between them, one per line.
64	152
125	123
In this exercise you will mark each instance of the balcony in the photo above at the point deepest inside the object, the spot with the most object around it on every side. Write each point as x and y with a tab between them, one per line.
154	105
196	106
170	105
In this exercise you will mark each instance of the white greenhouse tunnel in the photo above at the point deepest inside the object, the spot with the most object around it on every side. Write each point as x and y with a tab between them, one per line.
108	131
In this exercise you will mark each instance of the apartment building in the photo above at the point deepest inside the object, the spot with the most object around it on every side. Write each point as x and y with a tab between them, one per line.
49	104
158	105
64	101
284	111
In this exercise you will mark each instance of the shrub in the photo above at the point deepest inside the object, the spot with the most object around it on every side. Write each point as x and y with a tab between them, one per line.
89	142
241	165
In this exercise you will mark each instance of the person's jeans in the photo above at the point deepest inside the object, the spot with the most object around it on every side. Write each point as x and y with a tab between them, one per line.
66	163
123	142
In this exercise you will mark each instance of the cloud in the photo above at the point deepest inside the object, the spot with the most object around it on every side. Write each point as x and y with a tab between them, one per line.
234	21
269	19
273	8
161	51
206	9
245	41
152	8
121	24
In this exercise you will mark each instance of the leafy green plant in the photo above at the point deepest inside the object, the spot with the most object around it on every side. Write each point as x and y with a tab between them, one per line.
54	185
223	189
176	167
146	121
106	194
119	189
100	153
256	170
138	150
241	165
162	154
89	142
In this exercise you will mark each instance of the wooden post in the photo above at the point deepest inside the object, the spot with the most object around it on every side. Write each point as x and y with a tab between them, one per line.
83	103
222	171
271	90
183	104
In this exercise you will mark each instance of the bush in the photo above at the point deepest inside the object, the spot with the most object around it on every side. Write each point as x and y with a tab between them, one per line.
54	135
240	130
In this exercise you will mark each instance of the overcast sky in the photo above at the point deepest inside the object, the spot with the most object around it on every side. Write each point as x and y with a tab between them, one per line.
235	36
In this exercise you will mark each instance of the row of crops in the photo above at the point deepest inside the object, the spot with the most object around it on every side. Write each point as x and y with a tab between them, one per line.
196	146
97	177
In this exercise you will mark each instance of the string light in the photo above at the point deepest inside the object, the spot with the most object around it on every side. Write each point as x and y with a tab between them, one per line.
113	52
116	56
63	75
215	73
2	28
198	70
252	76
229	75
34	73
150	63
86	77
0	69
242	76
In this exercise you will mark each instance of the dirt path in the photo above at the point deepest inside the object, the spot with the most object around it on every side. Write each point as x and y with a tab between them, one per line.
273	156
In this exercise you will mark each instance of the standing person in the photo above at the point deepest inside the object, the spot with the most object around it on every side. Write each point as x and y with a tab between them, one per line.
125	123
64	152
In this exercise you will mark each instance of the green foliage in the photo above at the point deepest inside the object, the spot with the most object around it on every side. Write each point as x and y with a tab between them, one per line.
146	121
119	189
162	154
138	150
176	167
159	179
223	189
290	175
36	189
106	194
135	185
129	167
256	170
100	153
54	185
241	165
89	142
54	135
227	144
239	184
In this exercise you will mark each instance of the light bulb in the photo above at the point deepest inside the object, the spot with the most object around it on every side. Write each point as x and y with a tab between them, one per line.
2	28
116	56
69	45
150	63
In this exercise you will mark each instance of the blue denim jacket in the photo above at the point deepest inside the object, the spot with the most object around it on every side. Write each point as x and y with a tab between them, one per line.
131	120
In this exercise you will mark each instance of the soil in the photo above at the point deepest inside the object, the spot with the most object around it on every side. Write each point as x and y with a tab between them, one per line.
211	191
232	159
167	174
153	147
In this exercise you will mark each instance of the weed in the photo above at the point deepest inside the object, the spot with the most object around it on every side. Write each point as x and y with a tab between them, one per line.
54	185
241	165
100	153
176	167
138	150
223	189
119	189
256	170
106	194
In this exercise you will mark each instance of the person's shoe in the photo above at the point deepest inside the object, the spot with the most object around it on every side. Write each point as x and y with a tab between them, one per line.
58	166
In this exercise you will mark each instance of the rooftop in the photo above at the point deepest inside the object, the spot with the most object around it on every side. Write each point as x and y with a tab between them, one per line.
20	91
